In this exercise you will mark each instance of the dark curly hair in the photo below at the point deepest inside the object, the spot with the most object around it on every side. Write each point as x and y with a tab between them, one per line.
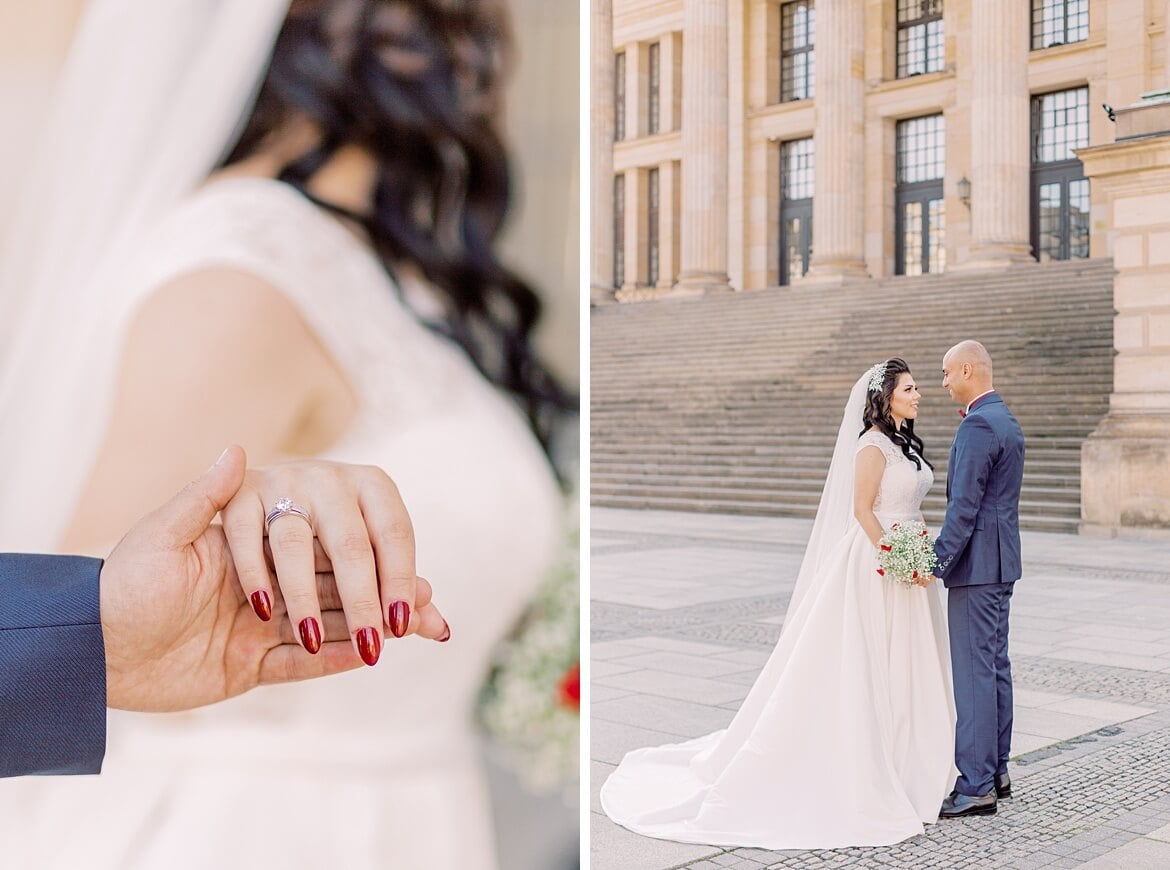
417	83
877	415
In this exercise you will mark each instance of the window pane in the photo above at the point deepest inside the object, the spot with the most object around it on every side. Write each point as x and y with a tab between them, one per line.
797	38
1078	218
912	238
619	97
654	54
936	232
619	230
796	167
920	37
793	250
1062	119
1048	247
921	148
797	25
652	225
1057	22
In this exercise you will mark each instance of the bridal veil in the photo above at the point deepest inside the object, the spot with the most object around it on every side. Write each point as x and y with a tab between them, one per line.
150	99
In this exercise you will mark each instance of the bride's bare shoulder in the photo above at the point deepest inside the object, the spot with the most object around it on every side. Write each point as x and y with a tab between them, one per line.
214	357
218	329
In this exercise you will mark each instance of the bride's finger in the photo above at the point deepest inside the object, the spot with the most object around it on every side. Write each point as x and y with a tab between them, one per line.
342	533
432	625
422	597
243	526
321	563
392	535
289	662
333	628
330	599
291	539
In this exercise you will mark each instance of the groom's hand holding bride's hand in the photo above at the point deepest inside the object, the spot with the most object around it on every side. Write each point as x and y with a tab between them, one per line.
178	629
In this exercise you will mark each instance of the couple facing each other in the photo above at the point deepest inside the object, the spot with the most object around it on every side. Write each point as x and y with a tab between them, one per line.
881	701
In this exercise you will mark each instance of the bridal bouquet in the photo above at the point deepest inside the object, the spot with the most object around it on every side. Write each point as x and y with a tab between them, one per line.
906	553
530	706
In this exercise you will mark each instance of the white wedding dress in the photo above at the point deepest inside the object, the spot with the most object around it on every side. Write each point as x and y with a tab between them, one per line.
377	767
847	736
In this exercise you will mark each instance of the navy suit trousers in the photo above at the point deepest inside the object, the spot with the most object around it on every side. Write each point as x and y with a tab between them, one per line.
978	617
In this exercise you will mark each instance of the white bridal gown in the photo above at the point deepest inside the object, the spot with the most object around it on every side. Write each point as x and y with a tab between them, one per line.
847	736
377	767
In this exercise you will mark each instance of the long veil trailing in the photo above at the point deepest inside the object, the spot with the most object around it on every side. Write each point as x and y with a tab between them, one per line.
846	737
150	99
835	509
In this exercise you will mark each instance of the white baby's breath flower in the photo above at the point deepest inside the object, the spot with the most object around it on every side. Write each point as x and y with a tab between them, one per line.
906	553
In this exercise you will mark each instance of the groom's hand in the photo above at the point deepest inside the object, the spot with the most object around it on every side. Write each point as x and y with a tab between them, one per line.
177	629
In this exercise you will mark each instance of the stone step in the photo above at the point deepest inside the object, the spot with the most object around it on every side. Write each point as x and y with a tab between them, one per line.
736	477
778	449
733	402
1043	520
1056	467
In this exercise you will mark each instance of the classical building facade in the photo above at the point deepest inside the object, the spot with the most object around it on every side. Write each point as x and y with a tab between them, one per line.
750	144
754	143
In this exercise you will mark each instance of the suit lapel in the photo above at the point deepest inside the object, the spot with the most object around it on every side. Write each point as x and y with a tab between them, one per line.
951	463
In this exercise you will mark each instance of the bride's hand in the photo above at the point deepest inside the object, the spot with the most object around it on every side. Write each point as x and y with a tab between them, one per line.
358	530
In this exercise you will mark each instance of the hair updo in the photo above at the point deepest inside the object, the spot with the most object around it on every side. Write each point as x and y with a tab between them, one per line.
877	415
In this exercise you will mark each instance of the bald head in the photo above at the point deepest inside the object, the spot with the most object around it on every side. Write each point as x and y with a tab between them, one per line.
967	371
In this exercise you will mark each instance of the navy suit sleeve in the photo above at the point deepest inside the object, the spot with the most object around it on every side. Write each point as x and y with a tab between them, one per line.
968	475
52	666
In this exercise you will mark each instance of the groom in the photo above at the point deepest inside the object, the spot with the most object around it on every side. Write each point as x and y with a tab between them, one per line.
978	551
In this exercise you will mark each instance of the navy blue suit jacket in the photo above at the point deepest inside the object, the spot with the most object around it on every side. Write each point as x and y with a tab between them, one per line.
979	542
52	666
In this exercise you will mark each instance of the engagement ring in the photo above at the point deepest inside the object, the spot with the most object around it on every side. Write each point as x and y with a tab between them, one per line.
285	507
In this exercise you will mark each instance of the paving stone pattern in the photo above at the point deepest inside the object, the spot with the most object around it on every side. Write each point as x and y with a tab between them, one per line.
1091	634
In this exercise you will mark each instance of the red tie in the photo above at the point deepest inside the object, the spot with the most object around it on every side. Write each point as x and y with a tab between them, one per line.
962	413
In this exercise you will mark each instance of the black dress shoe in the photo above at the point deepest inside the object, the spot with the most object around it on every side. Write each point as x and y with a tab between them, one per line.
957	806
1003	786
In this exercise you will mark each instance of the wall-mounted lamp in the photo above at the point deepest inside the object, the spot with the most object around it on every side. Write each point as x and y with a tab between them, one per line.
964	190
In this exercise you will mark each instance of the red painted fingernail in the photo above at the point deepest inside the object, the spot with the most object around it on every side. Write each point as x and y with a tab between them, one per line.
369	646
446	635
310	631
399	618
261	604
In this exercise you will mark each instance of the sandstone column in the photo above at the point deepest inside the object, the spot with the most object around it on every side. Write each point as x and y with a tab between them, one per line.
839	175
667	200
704	144
1000	136
635	236
670	82
601	121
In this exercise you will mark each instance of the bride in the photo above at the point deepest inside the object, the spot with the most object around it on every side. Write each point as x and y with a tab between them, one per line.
847	736
273	223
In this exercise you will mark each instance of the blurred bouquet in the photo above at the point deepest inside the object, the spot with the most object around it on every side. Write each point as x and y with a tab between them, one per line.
530	706
906	553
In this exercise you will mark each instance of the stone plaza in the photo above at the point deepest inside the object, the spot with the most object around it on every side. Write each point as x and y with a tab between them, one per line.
687	606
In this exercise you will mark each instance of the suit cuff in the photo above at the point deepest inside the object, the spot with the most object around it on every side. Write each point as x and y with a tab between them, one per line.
52	666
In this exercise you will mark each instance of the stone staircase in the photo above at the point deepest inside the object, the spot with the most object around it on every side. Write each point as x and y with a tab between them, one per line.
731	403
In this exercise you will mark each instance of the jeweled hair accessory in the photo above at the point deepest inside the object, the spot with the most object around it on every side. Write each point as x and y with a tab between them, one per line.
877	376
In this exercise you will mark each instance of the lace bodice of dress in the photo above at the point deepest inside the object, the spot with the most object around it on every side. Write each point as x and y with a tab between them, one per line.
903	485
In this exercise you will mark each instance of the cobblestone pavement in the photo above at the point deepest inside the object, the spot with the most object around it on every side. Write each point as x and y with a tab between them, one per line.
686	608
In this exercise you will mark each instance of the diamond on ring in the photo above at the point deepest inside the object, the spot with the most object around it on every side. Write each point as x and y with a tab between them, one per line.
287	507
